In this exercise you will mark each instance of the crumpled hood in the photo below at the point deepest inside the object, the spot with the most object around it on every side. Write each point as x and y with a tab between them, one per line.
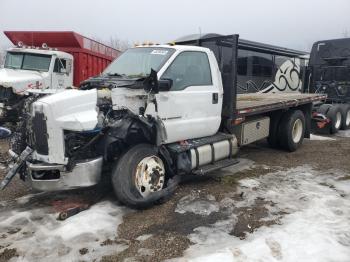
21	80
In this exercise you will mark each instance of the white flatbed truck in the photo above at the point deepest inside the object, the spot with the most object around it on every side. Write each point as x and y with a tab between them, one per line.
157	113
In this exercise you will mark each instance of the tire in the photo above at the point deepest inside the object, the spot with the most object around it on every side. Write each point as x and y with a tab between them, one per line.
335	115
292	130
345	111
133	183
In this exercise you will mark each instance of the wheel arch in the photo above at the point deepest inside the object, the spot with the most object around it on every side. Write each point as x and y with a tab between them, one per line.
128	132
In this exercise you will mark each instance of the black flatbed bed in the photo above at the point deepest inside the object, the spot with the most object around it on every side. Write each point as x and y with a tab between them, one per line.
256	103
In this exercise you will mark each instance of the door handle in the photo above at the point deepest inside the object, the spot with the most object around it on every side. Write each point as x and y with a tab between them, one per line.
215	98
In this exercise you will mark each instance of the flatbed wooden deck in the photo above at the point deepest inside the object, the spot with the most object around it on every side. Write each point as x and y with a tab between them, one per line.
254	103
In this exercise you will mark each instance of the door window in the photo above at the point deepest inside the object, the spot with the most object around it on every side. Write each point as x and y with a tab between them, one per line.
189	68
59	65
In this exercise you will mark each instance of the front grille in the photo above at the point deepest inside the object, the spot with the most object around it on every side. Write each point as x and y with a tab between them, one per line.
40	134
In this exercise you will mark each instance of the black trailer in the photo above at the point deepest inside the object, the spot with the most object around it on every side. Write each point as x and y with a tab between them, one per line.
329	73
246	108
262	67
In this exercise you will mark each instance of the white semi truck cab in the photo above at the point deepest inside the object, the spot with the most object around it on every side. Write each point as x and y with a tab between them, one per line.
31	69
157	113
45	62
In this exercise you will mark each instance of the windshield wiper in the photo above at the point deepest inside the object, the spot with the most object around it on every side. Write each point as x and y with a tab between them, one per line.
11	67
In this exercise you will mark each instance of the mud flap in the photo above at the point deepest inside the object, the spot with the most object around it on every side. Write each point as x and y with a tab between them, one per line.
320	123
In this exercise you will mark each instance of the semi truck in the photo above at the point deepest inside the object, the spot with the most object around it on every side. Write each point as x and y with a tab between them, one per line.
45	62
329	73
155	115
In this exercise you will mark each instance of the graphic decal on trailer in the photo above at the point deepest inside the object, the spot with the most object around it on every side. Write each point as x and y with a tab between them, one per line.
288	78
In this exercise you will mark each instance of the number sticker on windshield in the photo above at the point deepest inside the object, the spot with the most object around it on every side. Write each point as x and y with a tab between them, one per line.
159	52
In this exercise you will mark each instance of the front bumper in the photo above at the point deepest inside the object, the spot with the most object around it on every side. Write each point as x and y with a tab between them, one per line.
46	177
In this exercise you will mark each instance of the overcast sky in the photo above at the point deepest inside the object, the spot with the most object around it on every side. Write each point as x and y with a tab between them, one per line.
294	24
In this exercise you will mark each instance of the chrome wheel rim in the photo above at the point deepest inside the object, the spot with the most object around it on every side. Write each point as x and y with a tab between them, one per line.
337	120
347	118
297	131
149	176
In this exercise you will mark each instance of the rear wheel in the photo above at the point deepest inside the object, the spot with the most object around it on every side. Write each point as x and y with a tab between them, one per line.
292	130
138	176
345	111
335	115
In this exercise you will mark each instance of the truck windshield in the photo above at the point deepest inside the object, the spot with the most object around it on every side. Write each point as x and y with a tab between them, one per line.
27	61
335	73
138	62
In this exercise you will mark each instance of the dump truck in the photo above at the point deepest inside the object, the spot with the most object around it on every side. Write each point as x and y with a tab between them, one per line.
45	62
155	115
329	73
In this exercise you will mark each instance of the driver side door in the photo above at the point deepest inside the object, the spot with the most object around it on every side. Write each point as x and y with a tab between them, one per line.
192	107
58	79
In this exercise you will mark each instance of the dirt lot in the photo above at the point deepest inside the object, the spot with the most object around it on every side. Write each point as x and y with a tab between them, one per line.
168	230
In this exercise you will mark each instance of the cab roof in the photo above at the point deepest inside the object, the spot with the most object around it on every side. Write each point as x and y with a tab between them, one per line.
40	51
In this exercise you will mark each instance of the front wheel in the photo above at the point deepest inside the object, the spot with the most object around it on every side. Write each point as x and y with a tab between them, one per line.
139	176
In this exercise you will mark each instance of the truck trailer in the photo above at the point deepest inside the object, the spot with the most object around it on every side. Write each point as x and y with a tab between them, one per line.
45	62
329	73
156	114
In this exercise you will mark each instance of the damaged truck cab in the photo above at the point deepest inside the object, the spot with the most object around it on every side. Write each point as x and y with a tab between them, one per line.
28	69
155	114
43	63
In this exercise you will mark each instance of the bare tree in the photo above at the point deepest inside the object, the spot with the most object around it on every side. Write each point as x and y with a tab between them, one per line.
115	42
118	43
345	33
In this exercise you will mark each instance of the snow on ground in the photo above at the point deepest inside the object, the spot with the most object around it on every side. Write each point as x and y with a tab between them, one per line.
194	204
203	207
343	133
38	236
320	138
242	165
315	225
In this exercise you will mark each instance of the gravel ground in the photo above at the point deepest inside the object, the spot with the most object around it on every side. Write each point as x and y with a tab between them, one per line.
160	233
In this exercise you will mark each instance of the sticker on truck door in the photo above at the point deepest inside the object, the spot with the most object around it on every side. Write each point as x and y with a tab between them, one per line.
159	52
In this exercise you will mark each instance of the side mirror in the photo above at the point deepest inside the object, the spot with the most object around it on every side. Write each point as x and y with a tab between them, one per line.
165	84
63	71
